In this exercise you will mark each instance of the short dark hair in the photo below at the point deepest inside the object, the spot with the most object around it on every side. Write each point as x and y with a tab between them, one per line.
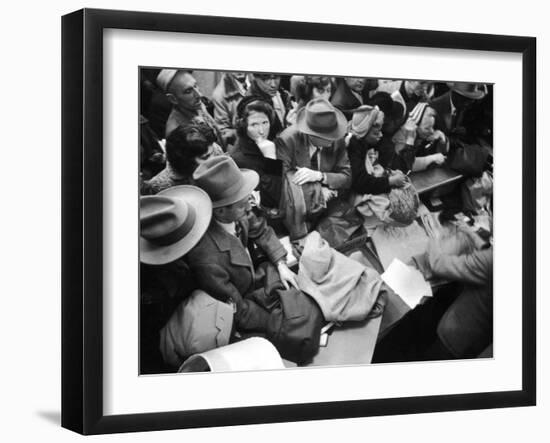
187	142
304	89
247	106
265	75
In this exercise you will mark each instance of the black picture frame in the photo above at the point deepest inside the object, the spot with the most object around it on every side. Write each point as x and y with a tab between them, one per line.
82	218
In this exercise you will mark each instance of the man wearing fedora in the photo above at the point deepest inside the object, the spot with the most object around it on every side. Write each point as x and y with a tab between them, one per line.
172	223
453	106
315	149
221	261
182	91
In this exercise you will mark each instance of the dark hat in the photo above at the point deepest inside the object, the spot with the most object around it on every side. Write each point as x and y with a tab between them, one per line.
223	181
474	91
172	222
321	119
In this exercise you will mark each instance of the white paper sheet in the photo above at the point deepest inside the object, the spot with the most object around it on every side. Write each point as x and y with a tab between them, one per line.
407	282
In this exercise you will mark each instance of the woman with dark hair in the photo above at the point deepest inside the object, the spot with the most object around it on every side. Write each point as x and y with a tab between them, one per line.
187	146
255	149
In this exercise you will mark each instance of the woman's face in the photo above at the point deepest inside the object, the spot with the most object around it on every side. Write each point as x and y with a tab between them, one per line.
426	127
322	91
375	132
257	126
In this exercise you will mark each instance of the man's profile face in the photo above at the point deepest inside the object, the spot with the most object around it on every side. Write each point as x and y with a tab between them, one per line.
184	92
233	212
268	83
356	84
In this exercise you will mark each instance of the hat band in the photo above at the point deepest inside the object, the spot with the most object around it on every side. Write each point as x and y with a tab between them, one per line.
229	191
178	233
326	127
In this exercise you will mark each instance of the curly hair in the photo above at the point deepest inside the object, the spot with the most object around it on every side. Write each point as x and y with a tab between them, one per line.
304	89
247	106
186	143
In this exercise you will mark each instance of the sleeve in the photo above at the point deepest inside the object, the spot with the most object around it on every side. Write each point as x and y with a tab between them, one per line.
215	280
284	148
340	176
361	181
263	235
475	268
222	115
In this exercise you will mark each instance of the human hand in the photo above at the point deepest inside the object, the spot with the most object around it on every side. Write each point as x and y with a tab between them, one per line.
328	194
409	129
286	275
438	158
306	175
437	135
267	148
397	179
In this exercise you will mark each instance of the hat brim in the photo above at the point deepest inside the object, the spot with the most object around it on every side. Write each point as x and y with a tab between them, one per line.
250	182
477	95
154	254
336	134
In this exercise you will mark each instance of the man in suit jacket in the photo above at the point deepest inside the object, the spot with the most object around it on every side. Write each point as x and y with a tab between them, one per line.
314	147
221	262
452	107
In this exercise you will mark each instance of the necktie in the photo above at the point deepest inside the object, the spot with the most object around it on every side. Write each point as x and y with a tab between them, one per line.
239	232
316	160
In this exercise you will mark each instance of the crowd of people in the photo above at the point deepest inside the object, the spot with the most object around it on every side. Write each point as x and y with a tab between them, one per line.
320	161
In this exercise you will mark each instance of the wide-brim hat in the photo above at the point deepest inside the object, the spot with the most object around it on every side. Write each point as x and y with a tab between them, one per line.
172	223
474	91
223	181
321	119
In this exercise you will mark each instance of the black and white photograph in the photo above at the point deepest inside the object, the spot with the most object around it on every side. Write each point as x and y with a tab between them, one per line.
298	220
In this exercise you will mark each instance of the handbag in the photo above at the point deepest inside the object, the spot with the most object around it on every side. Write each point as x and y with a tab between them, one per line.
294	327
467	158
295	320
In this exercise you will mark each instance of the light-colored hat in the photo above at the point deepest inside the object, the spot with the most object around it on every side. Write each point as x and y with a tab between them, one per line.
252	354
172	222
200	323
165	77
475	91
223	181
321	119
363	119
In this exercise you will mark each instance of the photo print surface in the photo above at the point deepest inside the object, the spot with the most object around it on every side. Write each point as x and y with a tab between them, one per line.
305	220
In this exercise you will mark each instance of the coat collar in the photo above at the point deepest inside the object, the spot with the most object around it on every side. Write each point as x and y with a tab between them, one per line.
231	88
228	243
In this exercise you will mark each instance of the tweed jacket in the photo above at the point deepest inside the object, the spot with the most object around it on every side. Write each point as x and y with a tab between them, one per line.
293	149
224	269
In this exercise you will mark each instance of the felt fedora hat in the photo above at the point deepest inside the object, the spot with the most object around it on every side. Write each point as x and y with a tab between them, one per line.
321	119
475	91
172	222
223	181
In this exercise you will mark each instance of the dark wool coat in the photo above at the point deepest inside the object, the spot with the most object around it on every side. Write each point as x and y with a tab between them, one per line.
247	155
223	268
361	181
